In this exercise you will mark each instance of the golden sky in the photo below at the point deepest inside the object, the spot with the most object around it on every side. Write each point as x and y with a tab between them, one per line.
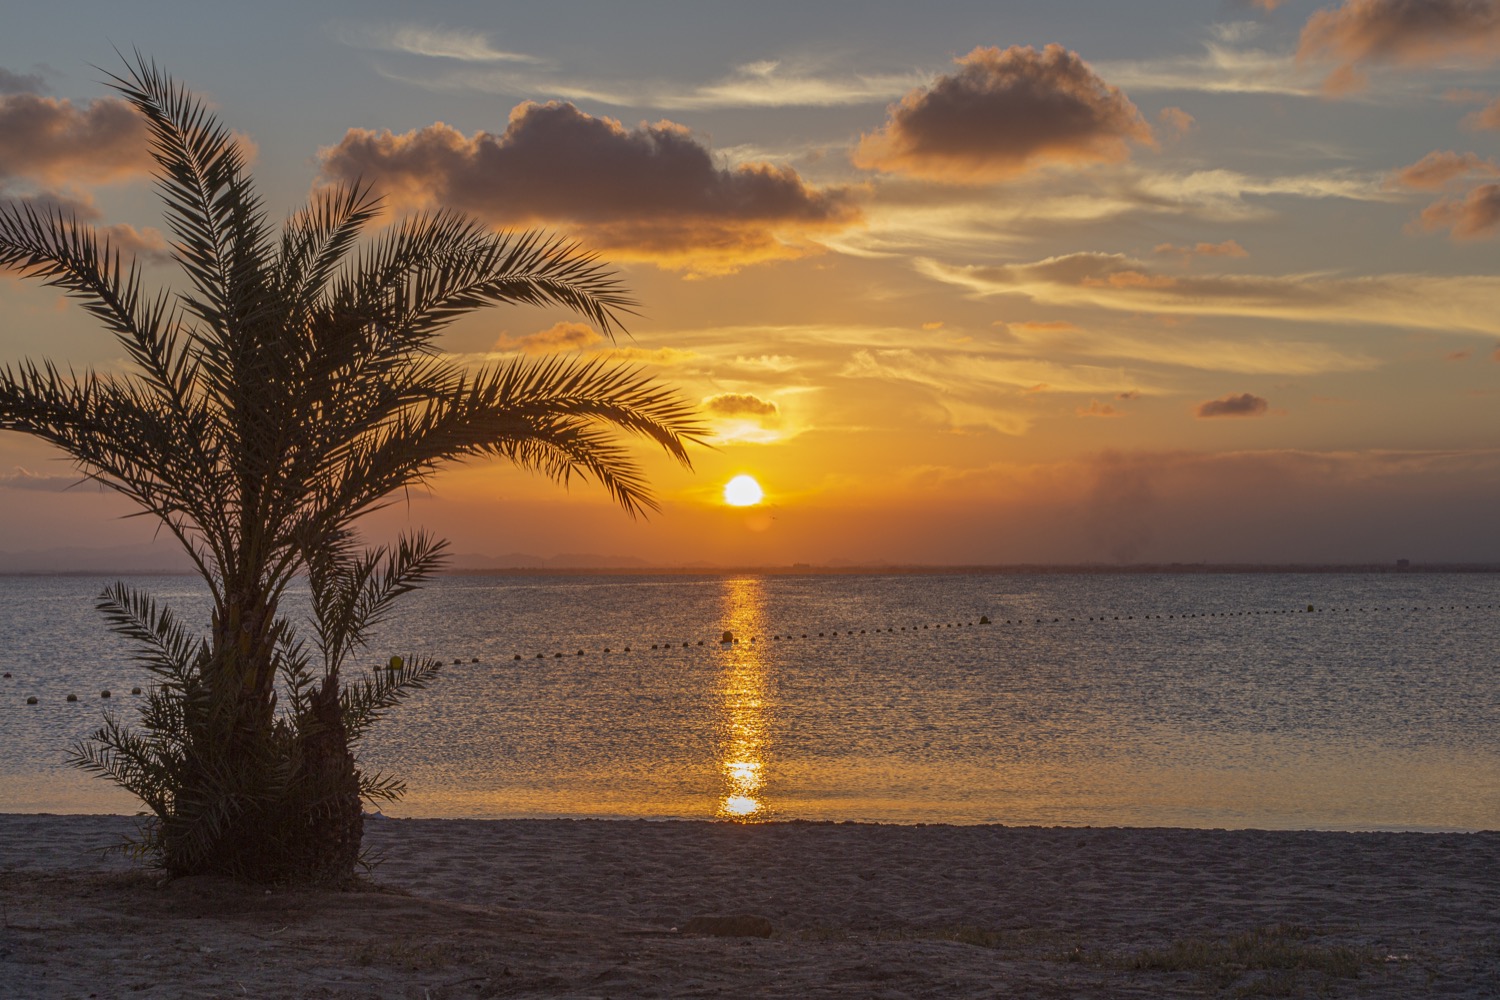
956	282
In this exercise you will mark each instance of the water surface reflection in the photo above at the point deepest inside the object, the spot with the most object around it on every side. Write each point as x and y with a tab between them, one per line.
746	705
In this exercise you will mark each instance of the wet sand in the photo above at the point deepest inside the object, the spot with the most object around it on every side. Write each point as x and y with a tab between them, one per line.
561	908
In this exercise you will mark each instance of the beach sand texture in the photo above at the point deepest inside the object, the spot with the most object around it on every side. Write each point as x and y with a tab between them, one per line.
560	908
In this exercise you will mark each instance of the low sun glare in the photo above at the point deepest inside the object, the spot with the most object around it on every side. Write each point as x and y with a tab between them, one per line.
743	491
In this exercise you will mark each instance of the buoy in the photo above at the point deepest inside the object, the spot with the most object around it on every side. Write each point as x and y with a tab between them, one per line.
395	663
700	642
457	662
557	656
518	656
606	649
474	659
984	619
31	700
627	649
580	652
135	690
72	697
1309	607
7	675
539	656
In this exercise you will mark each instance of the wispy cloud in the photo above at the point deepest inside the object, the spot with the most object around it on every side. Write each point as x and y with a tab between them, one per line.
1117	282
766	83
424	40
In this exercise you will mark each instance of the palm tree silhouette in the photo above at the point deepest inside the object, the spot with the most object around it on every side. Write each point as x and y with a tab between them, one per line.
293	388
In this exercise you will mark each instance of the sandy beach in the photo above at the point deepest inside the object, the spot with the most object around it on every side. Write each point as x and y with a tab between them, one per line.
559	908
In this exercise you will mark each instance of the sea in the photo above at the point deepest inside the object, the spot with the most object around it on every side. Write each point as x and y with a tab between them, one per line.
1296	700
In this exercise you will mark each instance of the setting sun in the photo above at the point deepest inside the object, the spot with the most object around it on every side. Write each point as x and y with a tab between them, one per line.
743	491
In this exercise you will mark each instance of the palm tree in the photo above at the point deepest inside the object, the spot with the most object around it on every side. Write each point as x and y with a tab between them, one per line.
292	389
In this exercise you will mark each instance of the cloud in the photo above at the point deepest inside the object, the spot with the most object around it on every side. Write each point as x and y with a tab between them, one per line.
1399	32
1097	409
1243	405
740	404
1475	216
765	83
50	141
665	356
20	83
1472	215
562	336
1229	248
1440	168
24	479
147	245
743	418
416	39
1177	121
1115	281
1267	5
1486	118
650	193
1242	355
1222	68
1004	113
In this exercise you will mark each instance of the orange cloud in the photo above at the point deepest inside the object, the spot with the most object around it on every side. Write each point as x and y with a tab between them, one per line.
1486	118
563	336
1243	405
1114	281
1178	121
1097	409
1267	5
1475	216
49	141
1399	32
651	193
1002	114
1440	168
1229	248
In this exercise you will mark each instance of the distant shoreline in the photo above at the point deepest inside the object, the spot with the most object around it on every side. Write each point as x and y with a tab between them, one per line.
801	569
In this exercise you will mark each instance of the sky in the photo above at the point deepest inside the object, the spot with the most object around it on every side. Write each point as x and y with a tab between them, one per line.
957	283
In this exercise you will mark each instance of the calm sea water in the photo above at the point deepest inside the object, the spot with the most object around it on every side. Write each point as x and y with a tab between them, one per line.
1193	700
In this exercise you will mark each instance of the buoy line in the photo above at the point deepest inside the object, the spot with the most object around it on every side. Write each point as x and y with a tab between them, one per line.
728	640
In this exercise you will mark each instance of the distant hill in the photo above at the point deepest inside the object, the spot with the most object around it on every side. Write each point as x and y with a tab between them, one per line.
474	563
117	559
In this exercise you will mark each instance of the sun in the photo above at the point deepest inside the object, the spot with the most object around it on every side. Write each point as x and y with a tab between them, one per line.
743	491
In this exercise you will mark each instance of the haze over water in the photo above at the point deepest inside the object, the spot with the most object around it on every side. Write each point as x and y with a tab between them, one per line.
1082	704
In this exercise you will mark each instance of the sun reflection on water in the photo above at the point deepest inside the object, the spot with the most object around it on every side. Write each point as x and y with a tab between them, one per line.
743	695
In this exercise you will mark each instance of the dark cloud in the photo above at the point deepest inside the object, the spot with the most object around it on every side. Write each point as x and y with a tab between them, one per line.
1475	216
1002	114
1400	32
740	404
20	83
49	141
653	192
1243	405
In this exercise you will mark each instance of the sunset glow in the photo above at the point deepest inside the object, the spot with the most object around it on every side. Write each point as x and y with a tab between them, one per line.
988	284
